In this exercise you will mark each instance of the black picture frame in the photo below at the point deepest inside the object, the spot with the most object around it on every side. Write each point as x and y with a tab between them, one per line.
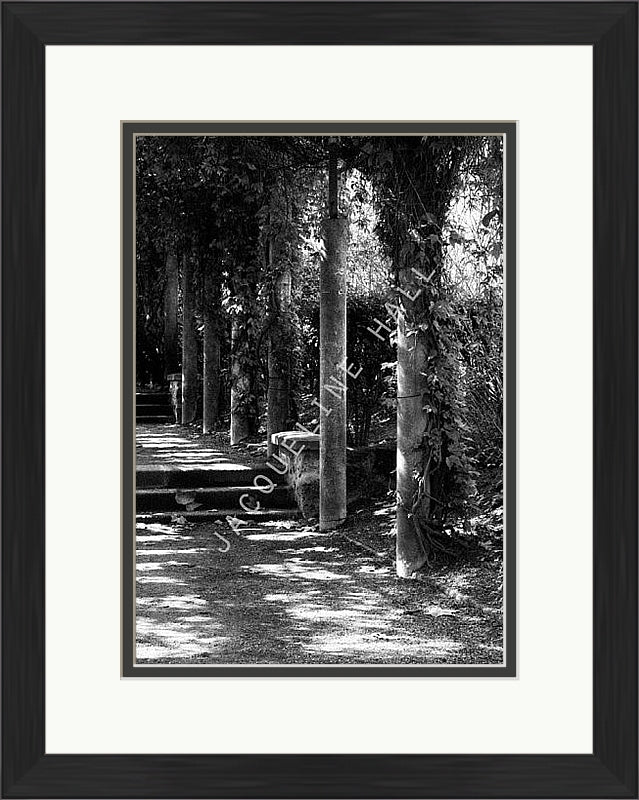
611	770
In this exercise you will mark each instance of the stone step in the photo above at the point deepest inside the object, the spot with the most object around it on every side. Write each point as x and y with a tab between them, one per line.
225	473
211	498
212	516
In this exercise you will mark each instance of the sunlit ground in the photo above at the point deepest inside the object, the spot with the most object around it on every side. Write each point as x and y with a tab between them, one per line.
285	593
172	446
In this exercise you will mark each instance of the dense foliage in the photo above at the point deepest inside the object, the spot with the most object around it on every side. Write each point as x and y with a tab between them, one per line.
424	213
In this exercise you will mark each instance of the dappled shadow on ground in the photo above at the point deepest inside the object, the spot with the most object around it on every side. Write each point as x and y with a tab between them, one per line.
285	593
167	445
183	447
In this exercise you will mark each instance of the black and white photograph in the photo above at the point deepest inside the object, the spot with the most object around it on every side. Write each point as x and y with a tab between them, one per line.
318	353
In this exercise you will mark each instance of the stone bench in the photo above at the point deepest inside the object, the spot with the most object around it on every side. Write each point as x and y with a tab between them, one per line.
369	470
300	451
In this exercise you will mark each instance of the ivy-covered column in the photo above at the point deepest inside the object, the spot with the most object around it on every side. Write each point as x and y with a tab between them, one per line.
246	322
415	186
413	489
240	387
189	341
211	309
279	346
332	460
171	357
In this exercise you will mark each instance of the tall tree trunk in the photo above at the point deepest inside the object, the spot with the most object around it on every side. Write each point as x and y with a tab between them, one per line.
189	342
412	498
171	355
241	425
332	461
211	347
279	356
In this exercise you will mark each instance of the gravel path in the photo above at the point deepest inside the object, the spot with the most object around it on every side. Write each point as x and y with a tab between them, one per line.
284	593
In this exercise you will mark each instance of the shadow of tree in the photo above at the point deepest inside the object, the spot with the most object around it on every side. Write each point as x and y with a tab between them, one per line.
289	594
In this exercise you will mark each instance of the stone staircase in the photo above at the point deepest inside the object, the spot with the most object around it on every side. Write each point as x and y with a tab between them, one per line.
153	407
208	493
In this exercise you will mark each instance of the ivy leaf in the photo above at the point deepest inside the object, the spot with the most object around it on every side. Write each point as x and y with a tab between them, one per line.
487	218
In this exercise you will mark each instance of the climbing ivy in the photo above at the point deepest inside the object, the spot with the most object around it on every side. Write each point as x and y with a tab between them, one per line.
415	179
